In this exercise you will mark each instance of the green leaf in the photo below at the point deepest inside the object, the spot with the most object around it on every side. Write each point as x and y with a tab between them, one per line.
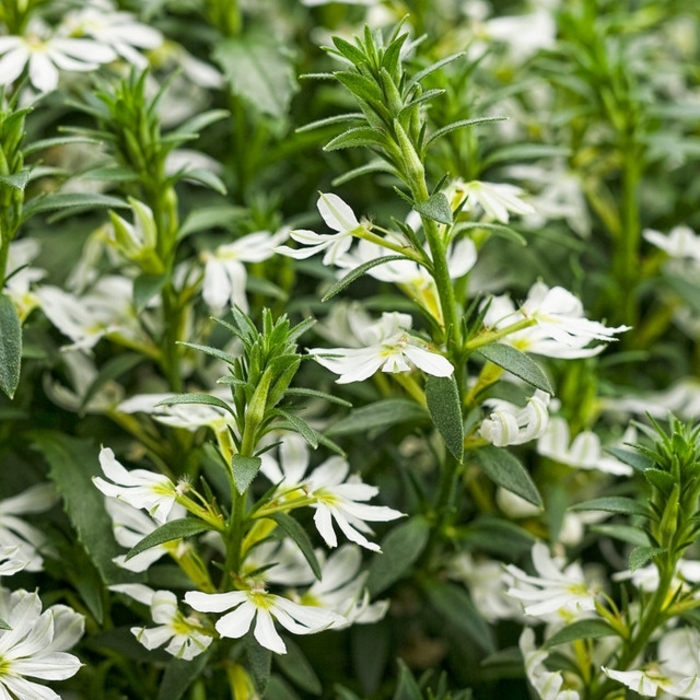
624	533
634	459
110	173
434	67
639	556
374	166
360	86
145	288
204	177
356	137
442	396
297	668
300	426
493	534
55	141
226	357
331	121
258	71
200	399
514	153
244	469
462	124
580	629
208	218
377	416
293	529
10	346
401	547
201	121
497	229
259	662
406	687
70	200
179	675
661	480
436	207
506	471
172	530
455	607
613	504
17	180
357	273
73	463
518	363
314	394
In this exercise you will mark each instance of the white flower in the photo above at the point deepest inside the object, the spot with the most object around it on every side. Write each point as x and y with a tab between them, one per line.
118	30
186	635
681	242
555	593
651	679
20	277
36	644
15	532
130	526
498	200
256	604
342	590
585	452
525	34
646	578
224	273
512	425
392	350
139	488
548	684
45	55
336	499
338	216
681	398
560	329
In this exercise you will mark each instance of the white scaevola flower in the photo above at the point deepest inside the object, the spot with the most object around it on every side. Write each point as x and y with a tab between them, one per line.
497	200
646	578
560	330
15	532
36	644
652	679
342	589
185	635
139	488
130	525
256	604
681	399
118	30
511	425
548	684
556	593
390	349
681	242
339	217
585	452
9	562
45	54
337	498
106	310
224	273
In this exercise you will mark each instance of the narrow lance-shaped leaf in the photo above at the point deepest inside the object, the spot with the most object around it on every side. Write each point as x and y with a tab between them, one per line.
580	629
445	408
462	124
172	530
10	346
293	529
517	363
201	399
506	471
245	469
357	273
613	504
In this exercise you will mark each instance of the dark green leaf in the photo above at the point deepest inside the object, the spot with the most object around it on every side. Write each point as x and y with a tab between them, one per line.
313	394
293	529
208	218
640	556
259	662
70	200
518	363
613	504
379	415
172	530
349	51
355	137
634	459
506	471
201	121
435	66
17	180
374	166
625	533
10	346
179	675
661	480
462	124
357	273
362	87
442	396
406	688
436	207
226	357
145	288
302	427
498	536
580	629
201	399
258	71
110	173
455	607
401	547
331	121
297	668
204	177
245	469
56	141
